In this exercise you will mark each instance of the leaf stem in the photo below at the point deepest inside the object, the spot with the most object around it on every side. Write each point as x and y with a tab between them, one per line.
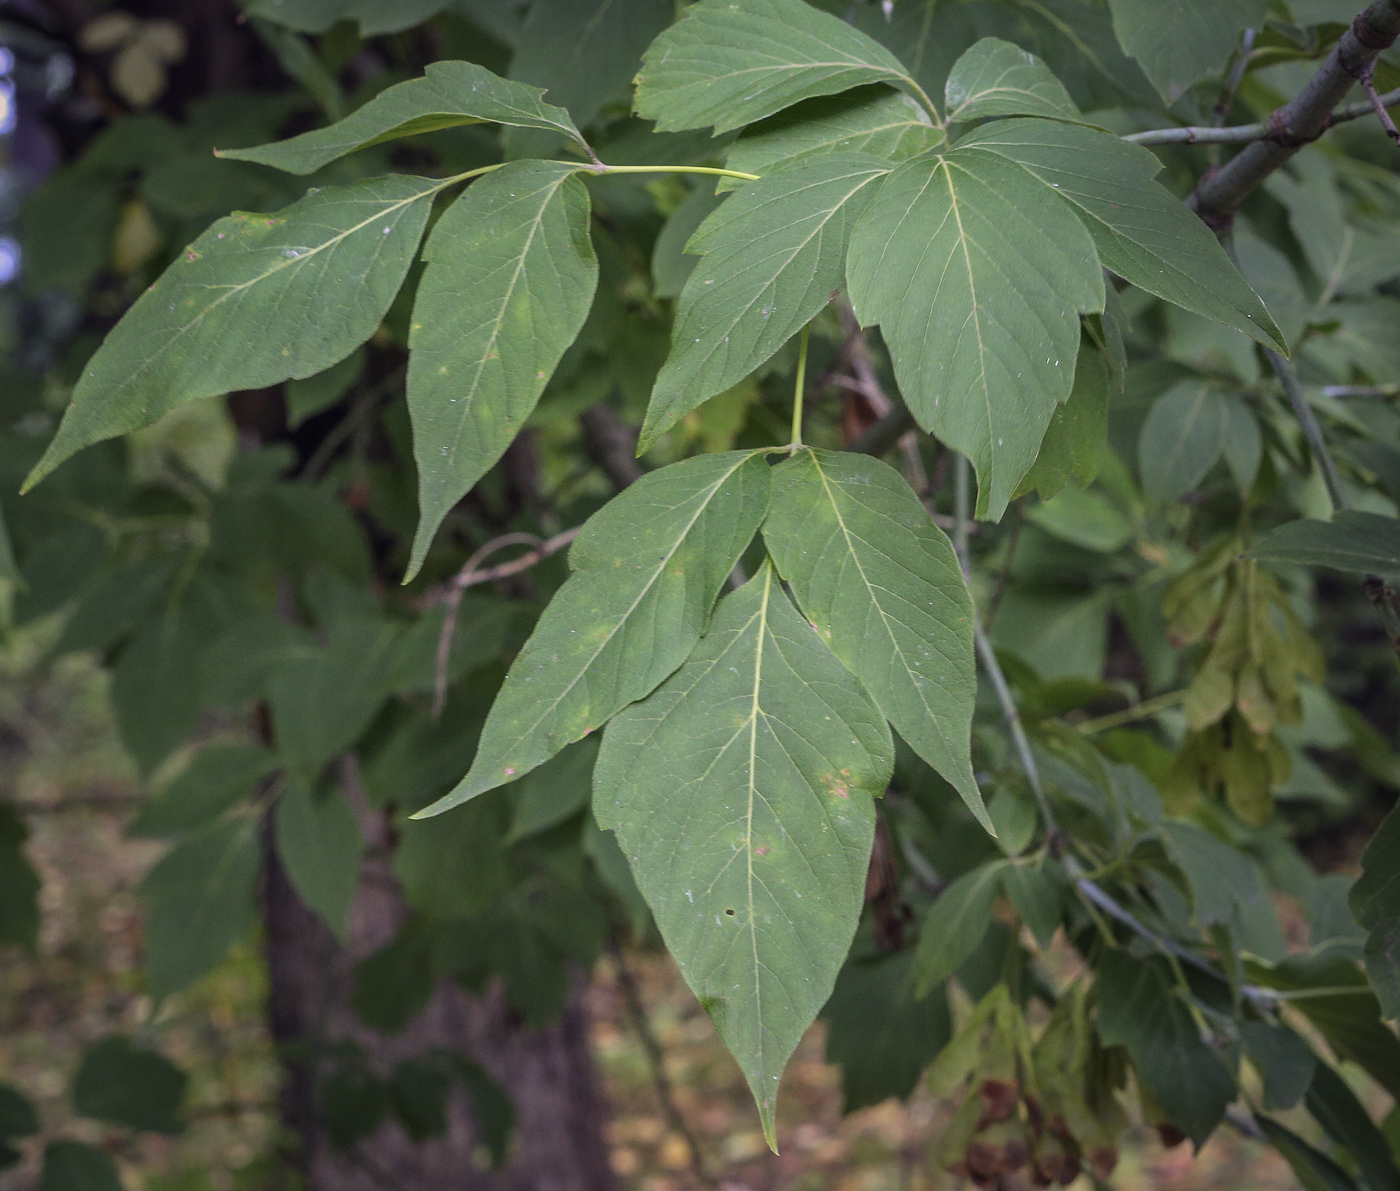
1139	711
1312	431
800	389
601	168
1244	134
928	103
961	510
485	169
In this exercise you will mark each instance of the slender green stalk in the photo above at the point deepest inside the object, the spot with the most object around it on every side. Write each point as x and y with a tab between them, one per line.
1139	711
1317	443
962	509
927	102
800	389
485	169
600	168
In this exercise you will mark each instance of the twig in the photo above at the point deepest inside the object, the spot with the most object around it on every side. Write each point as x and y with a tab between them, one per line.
1377	590
962	511
1088	889
1139	711
1010	713
1303	119
469	576
1004	578
350	423
1244	1124
1019	740
867	383
642	1024
1335	391
1378	104
1233	79
1244	134
114	803
1312	431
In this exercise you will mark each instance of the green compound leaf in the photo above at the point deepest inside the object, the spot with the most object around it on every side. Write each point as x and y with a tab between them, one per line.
1143	232
219	776
1368	543
1077	437
448	95
510	279
1336	1108
955	925
17	1115
878	1032
996	78
1176	42
882	585
199	902
256	300
1180	440
1375	901
728	64
9	571
77	1166
129	1085
1376	894
976	276
1284	1061
742	792
319	844
1137	1009
772	255
648	567
1315	1171
873	120
19	883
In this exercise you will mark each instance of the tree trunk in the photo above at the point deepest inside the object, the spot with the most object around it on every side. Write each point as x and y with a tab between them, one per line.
559	1112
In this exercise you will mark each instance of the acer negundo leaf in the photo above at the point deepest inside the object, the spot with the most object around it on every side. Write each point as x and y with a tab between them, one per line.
448	95
647	569
742	792
510	279
255	300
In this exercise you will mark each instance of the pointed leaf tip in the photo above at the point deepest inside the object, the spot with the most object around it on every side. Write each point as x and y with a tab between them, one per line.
647	569
742	792
509	281
982	364
882	585
448	95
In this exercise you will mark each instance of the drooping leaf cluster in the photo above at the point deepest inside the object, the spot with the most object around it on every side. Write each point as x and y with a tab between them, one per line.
755	640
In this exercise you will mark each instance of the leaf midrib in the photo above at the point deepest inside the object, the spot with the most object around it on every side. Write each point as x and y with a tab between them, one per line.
480	365
945	165
819	223
874	599
287	263
754	712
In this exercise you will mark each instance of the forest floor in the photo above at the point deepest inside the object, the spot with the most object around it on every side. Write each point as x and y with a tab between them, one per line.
60	761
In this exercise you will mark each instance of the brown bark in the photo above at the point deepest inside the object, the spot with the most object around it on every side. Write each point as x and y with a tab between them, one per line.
558	1143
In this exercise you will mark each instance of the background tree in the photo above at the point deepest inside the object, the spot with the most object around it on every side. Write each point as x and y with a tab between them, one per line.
804	241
